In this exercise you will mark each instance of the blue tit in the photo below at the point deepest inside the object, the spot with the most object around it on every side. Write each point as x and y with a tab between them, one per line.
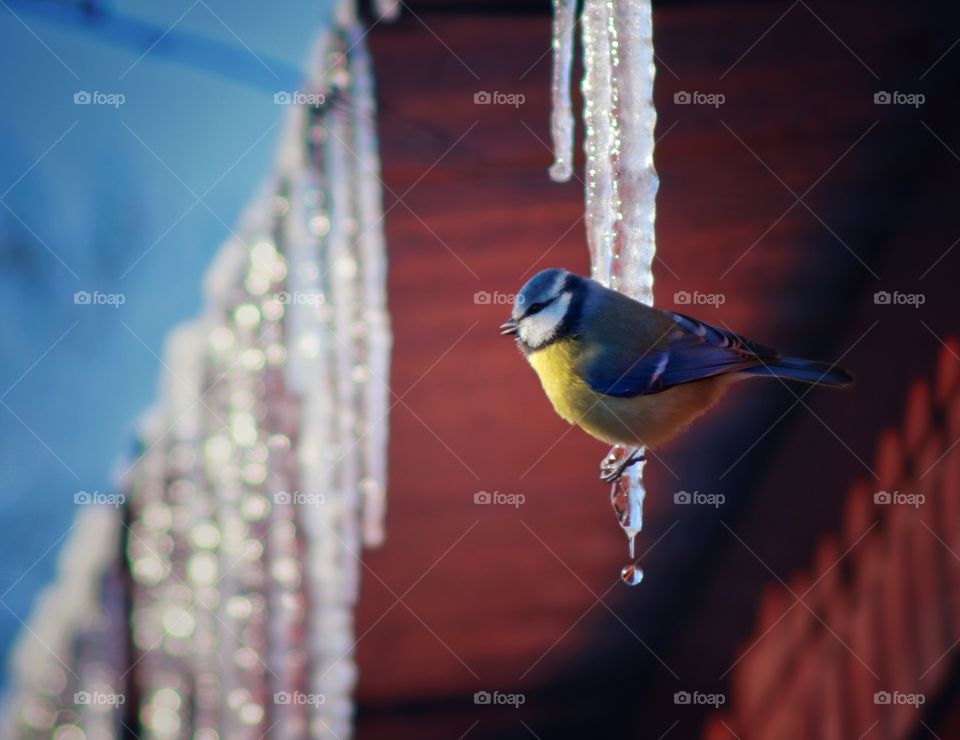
629	374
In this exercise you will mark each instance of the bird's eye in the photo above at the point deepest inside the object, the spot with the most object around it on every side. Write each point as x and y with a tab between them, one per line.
535	308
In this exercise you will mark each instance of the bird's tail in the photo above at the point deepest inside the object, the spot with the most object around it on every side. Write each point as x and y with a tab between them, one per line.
806	371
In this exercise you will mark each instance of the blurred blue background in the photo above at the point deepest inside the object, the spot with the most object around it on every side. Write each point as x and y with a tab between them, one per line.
130	199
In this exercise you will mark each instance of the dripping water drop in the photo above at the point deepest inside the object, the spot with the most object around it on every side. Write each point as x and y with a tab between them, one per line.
631	574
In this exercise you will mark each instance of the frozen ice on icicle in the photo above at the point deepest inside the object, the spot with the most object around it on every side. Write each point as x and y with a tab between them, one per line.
561	117
620	180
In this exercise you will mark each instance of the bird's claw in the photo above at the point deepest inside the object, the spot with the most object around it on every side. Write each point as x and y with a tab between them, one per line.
611	476
611	469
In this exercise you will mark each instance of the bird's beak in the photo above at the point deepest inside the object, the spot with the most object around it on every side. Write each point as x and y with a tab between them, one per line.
509	327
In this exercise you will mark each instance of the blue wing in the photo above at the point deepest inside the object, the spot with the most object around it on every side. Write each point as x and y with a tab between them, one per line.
688	350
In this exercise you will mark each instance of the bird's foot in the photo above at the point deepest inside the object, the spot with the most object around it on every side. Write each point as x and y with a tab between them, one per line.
611	469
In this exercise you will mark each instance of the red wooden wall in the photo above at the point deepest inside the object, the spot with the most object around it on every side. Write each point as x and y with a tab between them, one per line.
465	597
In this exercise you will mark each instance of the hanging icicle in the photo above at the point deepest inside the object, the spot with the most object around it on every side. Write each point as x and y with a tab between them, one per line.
637	180
620	180
561	118
262	472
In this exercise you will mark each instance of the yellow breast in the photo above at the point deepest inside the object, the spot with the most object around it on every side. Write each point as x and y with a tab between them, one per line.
554	365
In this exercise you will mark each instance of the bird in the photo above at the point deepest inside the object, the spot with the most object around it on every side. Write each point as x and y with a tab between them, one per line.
632	375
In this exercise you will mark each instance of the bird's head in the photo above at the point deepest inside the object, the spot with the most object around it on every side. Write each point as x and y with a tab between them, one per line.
544	309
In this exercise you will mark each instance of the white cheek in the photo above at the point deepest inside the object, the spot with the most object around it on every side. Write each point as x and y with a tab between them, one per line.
540	328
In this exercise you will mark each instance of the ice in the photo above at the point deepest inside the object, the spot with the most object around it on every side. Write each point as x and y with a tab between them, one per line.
619	119
263	466
561	119
636	177
600	140
371	253
620	179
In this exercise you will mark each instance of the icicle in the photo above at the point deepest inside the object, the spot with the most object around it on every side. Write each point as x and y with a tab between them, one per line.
637	118
204	539
307	323
637	185
602	200
621	183
336	680
375	375
561	118
286	607
342	276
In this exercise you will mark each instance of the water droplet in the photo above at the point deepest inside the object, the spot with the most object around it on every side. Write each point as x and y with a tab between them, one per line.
631	574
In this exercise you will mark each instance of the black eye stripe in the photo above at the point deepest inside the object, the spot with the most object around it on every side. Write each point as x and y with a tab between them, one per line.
535	308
